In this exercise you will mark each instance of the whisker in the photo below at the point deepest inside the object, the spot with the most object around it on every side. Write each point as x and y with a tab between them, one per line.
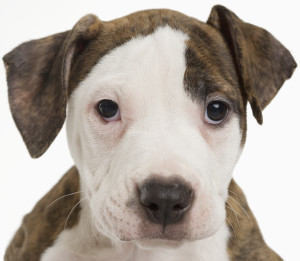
234	193
232	208
63	197
105	226
72	211
235	213
93	229
231	227
241	208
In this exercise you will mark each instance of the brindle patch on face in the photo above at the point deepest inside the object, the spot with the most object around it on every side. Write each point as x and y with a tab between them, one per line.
205	74
206	42
210	71
209	63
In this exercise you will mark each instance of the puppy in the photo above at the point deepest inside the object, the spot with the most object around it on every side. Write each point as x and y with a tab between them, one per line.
156	123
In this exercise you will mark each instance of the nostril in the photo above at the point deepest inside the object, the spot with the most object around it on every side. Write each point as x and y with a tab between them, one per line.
153	207
178	207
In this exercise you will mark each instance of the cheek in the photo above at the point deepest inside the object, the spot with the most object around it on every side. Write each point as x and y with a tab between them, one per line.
95	147
99	140
225	141
226	146
207	214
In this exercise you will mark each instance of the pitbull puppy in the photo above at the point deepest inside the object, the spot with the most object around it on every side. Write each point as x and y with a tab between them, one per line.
156	122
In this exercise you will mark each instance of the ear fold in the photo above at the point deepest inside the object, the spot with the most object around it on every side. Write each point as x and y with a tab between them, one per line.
38	77
262	62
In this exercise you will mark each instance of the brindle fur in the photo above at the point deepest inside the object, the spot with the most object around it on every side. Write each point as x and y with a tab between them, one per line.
42	73
262	62
47	220
38	78
225	54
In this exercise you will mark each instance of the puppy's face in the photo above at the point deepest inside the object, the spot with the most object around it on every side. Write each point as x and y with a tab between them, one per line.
142	138
156	113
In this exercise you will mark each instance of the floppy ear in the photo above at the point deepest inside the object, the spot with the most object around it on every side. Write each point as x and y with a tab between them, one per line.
262	62
38	77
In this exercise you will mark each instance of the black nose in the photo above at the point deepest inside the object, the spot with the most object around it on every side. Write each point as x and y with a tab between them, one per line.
165	202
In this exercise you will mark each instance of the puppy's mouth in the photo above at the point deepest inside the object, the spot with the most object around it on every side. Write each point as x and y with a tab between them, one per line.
175	233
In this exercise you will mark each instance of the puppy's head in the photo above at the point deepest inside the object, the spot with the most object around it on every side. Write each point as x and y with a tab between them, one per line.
156	113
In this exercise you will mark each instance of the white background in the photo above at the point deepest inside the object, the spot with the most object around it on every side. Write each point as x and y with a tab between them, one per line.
268	170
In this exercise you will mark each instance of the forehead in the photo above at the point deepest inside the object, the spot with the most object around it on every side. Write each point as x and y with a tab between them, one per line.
144	76
155	62
209	66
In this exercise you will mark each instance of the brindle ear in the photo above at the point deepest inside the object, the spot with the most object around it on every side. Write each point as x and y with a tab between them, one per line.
38	78
262	62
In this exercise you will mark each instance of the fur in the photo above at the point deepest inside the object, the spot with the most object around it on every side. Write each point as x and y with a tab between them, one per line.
162	68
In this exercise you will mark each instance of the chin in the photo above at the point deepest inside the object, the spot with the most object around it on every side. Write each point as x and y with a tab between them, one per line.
159	243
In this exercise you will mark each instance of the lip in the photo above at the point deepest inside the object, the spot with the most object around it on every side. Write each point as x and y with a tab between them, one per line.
168	234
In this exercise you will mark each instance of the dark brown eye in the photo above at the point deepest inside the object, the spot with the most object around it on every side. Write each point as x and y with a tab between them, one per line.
216	112
108	110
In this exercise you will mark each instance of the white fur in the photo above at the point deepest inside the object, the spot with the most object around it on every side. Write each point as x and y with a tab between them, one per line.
161	131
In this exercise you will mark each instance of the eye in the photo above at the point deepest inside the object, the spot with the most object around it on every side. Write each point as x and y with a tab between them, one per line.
108	110
216	112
